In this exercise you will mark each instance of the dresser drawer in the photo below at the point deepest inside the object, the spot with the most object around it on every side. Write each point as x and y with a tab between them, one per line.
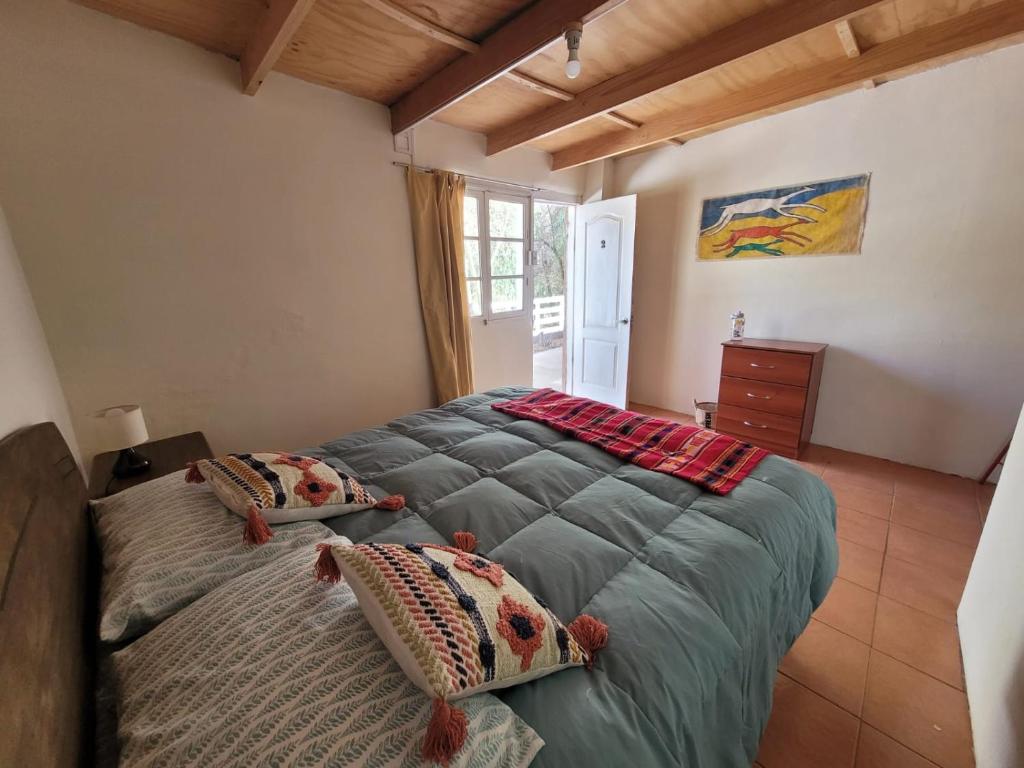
783	399
759	427
763	365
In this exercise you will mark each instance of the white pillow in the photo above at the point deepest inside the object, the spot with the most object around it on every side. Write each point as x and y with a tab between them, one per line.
275	669
165	543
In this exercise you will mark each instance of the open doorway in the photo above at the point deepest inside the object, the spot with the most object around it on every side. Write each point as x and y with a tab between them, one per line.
553	227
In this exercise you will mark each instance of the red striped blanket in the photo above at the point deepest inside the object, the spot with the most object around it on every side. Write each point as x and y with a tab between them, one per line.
713	461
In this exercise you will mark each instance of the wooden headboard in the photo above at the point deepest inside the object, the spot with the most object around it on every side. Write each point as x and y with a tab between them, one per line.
46	615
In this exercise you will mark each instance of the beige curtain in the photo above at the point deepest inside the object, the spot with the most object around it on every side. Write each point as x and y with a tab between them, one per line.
435	203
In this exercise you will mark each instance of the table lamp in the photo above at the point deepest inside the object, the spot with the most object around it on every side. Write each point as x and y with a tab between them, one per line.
123	428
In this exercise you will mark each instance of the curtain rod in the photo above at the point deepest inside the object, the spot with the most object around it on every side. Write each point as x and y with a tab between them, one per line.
474	178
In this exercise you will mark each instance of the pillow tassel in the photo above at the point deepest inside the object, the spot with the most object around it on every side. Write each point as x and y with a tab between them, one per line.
256	529
591	634
193	475
465	540
326	566
392	503
446	733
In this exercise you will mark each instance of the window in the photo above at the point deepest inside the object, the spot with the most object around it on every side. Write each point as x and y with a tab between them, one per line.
471	230
497	254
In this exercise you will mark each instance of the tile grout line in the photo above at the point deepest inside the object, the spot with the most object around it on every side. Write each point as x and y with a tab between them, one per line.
874	624
890	656
874	629
931	533
860	722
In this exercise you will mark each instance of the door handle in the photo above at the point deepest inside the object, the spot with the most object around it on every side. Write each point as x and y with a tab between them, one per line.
760	397
755	426
624	321
758	365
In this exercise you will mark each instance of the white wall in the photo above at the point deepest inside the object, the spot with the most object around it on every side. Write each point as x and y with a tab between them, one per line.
991	622
29	389
925	326
443	146
238	265
503	352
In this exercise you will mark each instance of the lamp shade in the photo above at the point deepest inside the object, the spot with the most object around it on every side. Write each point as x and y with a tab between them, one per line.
121	426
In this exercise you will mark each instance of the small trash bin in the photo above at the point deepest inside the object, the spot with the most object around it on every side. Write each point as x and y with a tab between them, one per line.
705	414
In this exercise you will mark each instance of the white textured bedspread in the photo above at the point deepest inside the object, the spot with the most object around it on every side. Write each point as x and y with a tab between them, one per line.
274	669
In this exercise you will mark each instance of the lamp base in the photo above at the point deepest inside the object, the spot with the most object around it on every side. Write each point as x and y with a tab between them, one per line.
129	464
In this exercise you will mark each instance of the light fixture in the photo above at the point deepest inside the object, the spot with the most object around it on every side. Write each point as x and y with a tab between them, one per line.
121	429
573	35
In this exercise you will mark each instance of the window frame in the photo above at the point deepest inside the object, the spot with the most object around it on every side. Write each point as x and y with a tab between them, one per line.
479	279
484	238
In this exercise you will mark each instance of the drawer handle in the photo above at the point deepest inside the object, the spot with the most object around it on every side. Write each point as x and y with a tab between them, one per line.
755	426
760	397
758	365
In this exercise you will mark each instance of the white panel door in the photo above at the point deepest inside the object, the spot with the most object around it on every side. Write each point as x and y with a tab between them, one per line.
603	299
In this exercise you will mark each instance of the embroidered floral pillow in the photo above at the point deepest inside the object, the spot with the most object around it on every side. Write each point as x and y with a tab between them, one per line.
282	488
457	624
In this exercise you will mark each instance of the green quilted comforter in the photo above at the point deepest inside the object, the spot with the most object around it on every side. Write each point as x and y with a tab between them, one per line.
702	594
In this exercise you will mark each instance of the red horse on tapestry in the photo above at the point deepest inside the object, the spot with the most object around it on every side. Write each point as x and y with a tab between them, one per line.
755	233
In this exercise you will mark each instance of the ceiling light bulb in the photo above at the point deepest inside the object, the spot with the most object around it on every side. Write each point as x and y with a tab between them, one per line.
572	66
573	37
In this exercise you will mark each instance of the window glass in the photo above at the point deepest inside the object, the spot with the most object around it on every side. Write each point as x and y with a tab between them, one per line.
472	256
470	217
506	294
506	258
506	219
475	302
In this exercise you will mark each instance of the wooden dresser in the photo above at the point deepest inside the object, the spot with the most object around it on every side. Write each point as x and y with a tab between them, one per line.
768	392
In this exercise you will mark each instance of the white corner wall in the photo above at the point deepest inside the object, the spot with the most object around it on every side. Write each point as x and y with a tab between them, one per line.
991	622
240	265
29	390
925	326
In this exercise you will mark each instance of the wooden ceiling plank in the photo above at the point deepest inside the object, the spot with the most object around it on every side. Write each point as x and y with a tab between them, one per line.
426	27
735	41
539	25
279	23
982	28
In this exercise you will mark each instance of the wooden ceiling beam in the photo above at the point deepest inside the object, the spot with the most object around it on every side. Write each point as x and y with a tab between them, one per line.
443	35
279	23
538	85
740	39
536	27
980	29
563	95
848	39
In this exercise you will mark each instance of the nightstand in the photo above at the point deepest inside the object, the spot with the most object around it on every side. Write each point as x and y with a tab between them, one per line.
168	455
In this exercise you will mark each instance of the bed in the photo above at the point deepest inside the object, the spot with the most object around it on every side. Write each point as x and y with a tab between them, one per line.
703	594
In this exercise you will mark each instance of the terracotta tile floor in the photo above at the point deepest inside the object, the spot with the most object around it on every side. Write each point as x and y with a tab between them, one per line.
881	657
875	680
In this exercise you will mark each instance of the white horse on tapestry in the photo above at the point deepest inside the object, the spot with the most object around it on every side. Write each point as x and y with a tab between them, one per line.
780	205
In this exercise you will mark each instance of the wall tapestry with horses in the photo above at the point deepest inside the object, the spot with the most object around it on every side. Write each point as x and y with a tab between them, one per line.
813	219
